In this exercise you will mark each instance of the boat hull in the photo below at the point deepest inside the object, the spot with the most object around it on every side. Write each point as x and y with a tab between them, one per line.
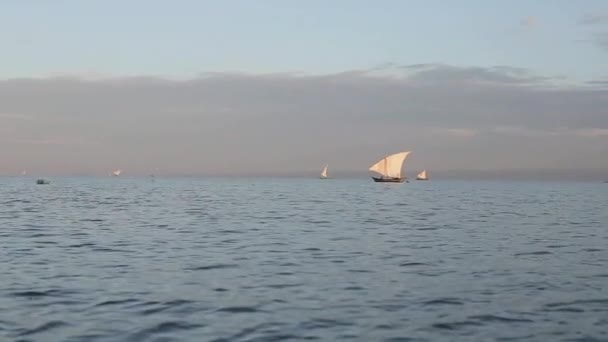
423	179
388	180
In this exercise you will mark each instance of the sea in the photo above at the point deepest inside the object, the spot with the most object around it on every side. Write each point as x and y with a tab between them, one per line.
296	259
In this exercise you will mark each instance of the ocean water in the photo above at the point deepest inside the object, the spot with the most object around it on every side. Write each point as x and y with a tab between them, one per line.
141	259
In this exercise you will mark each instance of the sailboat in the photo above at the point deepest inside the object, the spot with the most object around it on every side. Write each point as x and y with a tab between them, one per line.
389	168
324	174
116	173
422	176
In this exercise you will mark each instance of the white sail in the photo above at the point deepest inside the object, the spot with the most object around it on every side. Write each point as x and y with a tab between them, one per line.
421	175
324	172
390	166
116	172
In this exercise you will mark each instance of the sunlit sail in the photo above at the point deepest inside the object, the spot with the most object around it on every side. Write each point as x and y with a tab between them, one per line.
324	173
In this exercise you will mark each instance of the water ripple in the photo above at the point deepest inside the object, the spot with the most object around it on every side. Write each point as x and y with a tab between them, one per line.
43	328
195	259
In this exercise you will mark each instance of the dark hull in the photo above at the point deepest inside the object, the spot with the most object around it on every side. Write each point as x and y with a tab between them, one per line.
388	180
422	179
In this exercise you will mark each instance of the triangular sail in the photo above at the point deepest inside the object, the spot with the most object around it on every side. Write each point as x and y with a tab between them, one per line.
422	175
390	166
324	172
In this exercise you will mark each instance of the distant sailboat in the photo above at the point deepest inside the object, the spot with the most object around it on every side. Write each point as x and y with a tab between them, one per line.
116	173
422	176
389	168
324	174
23	173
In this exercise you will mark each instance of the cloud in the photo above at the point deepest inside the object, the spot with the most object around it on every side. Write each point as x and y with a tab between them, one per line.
601	39
455	132
592	132
598	22
598	83
429	73
529	22
522	131
57	141
14	116
594	19
451	117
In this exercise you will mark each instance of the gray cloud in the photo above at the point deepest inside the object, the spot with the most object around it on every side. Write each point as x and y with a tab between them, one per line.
497	74
594	19
529	22
599	83
601	39
451	117
14	116
598	22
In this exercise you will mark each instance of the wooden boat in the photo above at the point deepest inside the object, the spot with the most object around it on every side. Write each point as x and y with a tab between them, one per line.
389	168
422	176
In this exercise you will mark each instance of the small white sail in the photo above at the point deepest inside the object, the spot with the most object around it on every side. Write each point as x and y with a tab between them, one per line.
324	172
422	175
23	173
390	166
116	173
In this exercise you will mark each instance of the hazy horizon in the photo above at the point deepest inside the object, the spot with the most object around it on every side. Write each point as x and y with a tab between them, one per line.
584	175
286	87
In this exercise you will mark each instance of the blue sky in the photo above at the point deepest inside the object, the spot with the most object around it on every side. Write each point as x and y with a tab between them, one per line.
188	37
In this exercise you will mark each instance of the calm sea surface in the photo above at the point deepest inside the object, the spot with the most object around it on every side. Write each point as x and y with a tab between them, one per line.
142	259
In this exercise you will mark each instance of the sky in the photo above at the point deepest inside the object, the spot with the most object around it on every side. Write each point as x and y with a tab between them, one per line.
280	87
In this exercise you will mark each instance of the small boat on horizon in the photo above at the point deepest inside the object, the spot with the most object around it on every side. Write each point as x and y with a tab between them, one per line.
41	181
422	176
324	174
389	168
116	173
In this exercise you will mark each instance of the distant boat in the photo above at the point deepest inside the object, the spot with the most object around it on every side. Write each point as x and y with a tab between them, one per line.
42	181
324	174
116	173
422	176
389	168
